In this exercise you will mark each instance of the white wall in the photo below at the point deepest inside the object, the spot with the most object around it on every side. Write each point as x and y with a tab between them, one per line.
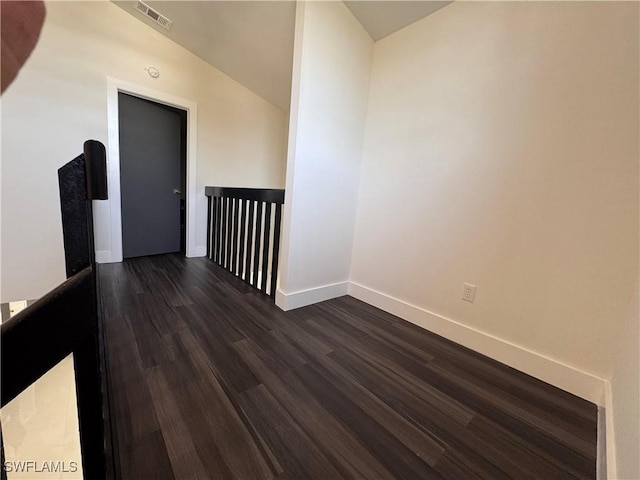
60	99
332	61
502	150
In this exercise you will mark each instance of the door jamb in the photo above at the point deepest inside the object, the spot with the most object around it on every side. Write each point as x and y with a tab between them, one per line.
114	223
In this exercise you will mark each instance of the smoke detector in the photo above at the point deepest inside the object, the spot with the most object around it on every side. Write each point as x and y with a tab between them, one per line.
161	20
153	72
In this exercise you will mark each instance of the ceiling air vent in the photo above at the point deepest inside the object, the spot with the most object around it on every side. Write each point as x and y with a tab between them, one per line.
161	20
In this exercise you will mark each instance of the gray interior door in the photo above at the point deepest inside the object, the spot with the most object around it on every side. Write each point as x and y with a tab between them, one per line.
151	146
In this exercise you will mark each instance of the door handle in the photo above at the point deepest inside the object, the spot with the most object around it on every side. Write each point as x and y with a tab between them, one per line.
177	191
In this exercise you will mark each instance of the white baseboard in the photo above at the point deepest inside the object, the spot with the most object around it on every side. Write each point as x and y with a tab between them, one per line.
302	298
566	377
609	446
601	444
197	251
103	256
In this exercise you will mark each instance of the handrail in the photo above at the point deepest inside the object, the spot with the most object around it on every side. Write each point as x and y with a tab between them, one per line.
272	195
51	328
243	233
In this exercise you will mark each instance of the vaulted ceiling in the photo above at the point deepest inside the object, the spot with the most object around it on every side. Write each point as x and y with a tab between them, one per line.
252	41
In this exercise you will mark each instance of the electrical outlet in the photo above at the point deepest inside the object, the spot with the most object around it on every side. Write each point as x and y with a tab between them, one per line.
15	307
468	292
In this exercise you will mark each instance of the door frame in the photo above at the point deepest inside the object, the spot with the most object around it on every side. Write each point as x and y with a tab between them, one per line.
114	86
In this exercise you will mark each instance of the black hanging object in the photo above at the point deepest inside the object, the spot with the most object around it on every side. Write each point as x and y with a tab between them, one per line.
77	190
95	156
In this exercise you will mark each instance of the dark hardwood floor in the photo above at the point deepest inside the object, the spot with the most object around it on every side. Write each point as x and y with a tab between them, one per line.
211	380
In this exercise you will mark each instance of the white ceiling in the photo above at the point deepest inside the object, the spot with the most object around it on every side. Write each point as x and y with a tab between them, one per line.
252	41
382	18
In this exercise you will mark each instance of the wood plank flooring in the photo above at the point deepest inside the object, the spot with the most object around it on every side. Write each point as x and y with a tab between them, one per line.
212	381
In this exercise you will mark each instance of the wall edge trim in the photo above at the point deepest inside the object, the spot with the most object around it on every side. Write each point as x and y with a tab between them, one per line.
103	256
197	251
609	447
302	298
